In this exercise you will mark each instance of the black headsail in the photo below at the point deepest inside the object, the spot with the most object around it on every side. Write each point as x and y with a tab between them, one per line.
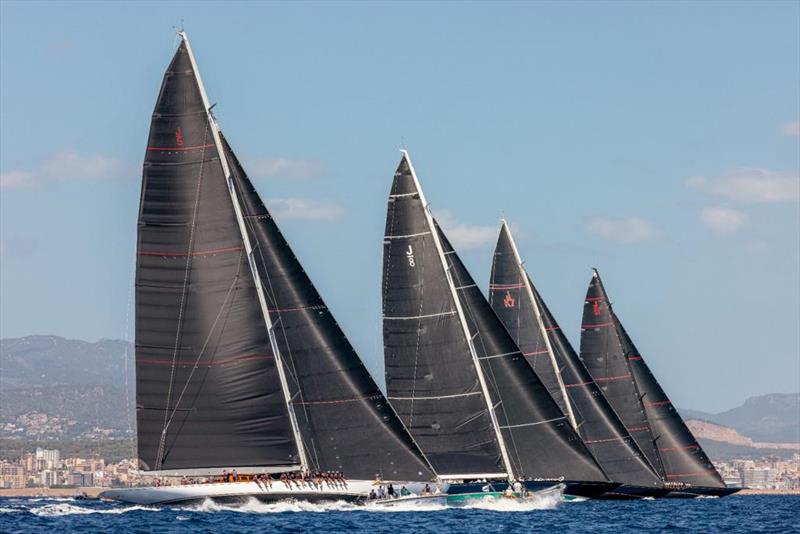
208	394
609	353
451	364
529	321
345	421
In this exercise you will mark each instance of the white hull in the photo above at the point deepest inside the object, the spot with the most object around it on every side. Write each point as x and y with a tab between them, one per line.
351	490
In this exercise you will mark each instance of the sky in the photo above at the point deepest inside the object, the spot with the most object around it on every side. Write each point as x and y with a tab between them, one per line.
658	142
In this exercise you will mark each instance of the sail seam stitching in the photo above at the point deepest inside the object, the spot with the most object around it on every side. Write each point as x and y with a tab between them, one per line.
401	318
536	423
167	419
405	236
436	397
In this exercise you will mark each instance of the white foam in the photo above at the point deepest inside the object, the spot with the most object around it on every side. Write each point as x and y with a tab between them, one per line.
56	510
9	510
254	506
406	507
544	502
41	499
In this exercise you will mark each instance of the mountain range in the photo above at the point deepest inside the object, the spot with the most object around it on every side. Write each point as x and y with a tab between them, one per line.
773	418
53	388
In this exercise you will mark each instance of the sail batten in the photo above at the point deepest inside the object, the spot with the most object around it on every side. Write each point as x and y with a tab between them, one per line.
656	426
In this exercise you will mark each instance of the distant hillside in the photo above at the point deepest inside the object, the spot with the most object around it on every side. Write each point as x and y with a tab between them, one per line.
56	388
723	442
767	418
720	450
42	361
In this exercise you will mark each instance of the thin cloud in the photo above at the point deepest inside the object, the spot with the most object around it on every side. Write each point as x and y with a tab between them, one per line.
304	209
751	185
792	129
623	229
465	236
283	168
16	179
722	220
66	166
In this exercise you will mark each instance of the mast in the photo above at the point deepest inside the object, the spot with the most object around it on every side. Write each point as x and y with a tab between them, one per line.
462	319
567	403
215	132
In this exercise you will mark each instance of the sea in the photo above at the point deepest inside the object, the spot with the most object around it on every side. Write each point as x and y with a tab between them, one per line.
768	513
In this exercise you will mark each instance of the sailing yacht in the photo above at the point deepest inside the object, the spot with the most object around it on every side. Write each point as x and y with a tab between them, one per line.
240	365
520	307
454	375
627	382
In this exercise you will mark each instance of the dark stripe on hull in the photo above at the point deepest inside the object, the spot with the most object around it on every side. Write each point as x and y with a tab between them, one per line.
693	493
591	490
626	492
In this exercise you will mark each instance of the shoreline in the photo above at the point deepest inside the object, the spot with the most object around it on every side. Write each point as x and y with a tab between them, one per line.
755	491
93	492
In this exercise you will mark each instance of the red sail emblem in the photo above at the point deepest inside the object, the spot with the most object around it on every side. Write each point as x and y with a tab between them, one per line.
508	301
596	308
179	136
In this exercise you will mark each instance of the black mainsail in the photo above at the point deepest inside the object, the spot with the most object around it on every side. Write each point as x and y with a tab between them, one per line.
430	377
208	392
614	361
452	367
527	318
239	362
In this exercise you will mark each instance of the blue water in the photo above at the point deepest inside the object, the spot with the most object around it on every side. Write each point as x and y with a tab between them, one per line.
773	514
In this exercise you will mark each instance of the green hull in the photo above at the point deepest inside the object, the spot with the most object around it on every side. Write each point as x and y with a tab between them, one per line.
471	497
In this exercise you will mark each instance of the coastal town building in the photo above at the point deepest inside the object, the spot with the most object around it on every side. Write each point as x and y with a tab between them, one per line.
12	475
764	473
46	468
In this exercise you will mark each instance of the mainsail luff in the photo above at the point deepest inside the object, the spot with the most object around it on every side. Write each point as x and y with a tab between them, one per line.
201	348
555	366
430	376
344	419
604	357
597	424
542	443
468	334
682	458
248	248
